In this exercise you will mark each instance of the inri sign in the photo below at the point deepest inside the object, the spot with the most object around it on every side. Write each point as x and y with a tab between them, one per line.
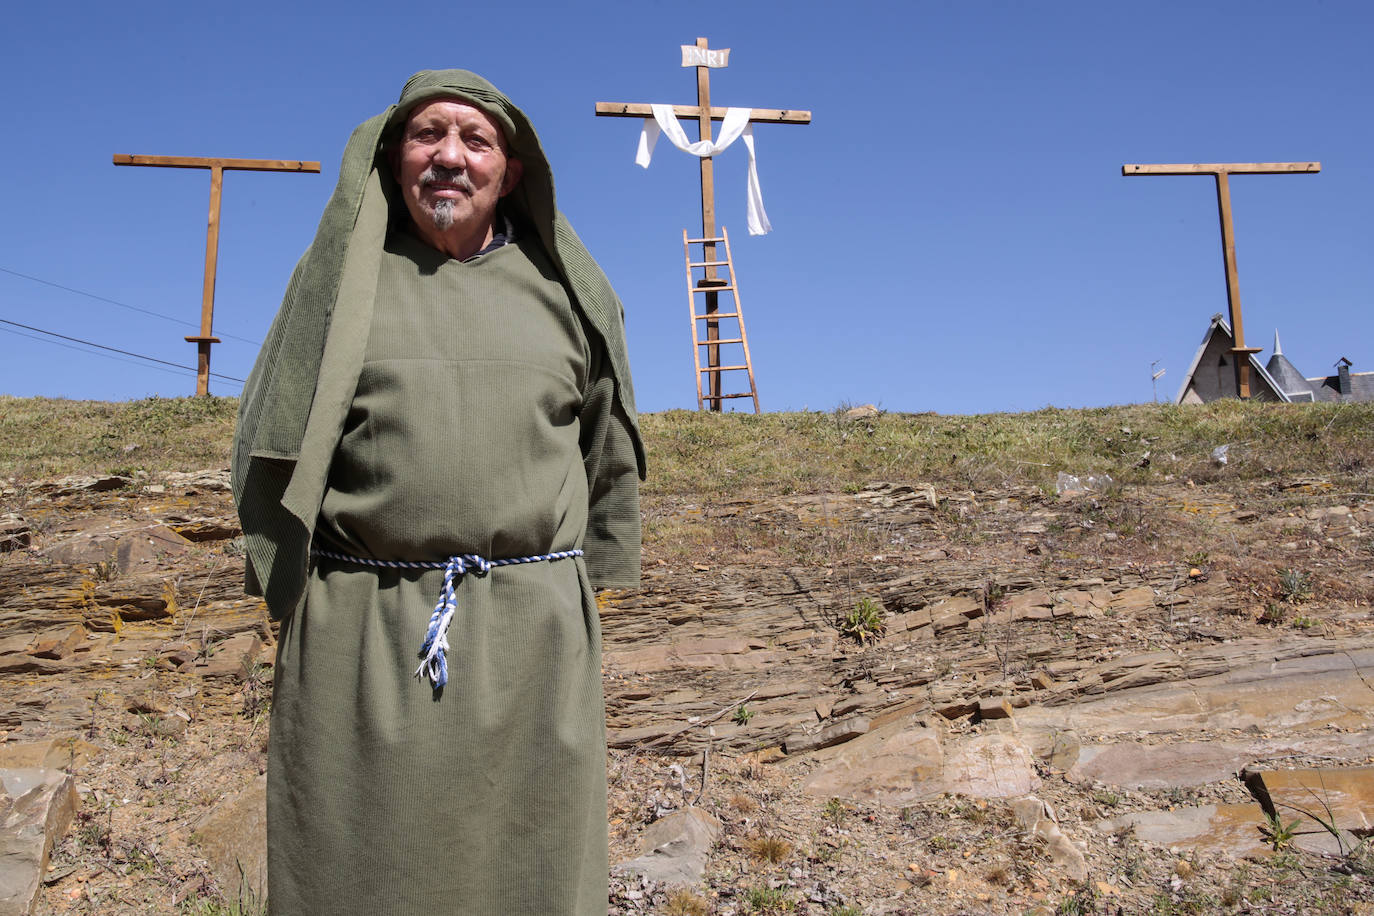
692	56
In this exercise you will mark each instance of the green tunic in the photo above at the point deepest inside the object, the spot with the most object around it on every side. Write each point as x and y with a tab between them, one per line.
474	429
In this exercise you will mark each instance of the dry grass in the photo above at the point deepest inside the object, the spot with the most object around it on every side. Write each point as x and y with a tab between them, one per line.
682	902
48	437
814	452
707	456
767	848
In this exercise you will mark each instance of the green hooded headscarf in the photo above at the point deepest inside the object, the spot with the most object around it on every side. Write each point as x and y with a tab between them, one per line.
294	404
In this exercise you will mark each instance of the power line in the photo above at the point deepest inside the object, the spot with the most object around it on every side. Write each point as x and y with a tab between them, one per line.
123	305
57	343
151	359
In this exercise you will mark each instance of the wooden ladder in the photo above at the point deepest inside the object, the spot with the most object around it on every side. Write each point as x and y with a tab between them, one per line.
708	283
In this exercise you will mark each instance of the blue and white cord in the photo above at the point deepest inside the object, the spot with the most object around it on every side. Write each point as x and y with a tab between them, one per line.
433	654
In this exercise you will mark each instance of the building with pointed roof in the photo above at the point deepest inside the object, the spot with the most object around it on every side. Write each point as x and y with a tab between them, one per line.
1212	375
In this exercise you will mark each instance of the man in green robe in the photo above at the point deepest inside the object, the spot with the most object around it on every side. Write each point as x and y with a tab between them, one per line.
438	455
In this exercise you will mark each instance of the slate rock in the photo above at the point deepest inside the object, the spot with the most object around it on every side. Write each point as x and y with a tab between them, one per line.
1232	830
62	753
36	805
1343	799
233	836
1037	818
675	848
838	733
894	765
990	766
232	658
14	532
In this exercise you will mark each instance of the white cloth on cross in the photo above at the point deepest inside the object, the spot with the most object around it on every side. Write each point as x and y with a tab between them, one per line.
735	125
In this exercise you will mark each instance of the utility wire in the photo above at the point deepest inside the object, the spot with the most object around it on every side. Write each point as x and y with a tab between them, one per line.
58	343
123	305
151	359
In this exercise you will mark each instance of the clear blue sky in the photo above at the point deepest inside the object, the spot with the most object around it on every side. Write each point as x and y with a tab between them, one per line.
951	233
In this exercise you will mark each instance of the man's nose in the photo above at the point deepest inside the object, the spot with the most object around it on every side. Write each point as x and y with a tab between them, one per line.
450	152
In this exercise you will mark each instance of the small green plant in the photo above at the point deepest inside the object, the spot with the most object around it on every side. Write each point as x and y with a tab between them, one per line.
834	811
1303	622
257	690
1082	902
863	622
1276	833
768	900
846	911
1295	586
743	714
217	906
1107	797
1274	612
940	842
1197	558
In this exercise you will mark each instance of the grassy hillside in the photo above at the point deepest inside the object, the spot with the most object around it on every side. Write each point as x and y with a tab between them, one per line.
740	454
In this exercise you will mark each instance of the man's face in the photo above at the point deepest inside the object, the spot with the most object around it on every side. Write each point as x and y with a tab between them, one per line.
452	168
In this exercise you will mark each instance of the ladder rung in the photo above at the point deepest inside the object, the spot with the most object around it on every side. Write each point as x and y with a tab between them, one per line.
720	341
714	238
722	368
708	263
719	397
712	289
710	315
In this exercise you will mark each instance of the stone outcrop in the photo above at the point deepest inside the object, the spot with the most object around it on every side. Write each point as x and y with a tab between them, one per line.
675	848
233	837
1022	653
36	805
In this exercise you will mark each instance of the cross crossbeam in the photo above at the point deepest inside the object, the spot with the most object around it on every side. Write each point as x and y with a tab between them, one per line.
1221	170
217	167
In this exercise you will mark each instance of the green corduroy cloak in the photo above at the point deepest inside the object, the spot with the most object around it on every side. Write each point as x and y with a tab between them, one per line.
296	400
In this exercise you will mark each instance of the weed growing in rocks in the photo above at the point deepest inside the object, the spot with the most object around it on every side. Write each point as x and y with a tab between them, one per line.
864	622
682	902
1276	832
834	812
767	848
768	900
1295	586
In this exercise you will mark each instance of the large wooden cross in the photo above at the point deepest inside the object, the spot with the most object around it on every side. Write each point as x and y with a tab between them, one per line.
206	337
705	59
1240	352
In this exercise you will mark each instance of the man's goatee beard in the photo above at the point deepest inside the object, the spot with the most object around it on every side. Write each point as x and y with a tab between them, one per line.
443	215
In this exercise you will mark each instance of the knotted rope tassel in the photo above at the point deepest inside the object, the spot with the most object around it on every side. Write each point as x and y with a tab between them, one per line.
433	653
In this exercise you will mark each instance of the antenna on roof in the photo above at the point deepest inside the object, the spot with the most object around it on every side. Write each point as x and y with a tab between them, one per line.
1154	378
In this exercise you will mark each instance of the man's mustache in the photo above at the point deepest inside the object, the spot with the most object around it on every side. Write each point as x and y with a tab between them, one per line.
438	174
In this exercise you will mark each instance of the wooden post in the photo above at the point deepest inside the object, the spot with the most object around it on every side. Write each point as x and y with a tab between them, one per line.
704	59
708	226
1221	170
206	337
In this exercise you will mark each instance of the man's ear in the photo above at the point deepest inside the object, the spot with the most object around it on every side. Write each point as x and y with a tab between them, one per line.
514	170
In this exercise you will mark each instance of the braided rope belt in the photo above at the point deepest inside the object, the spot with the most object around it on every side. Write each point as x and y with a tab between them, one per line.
433	654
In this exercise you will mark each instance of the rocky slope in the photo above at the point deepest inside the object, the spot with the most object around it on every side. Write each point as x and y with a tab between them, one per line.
902	699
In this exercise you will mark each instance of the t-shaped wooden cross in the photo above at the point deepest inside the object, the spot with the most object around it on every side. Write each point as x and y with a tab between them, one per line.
216	166
704	59
1228	240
